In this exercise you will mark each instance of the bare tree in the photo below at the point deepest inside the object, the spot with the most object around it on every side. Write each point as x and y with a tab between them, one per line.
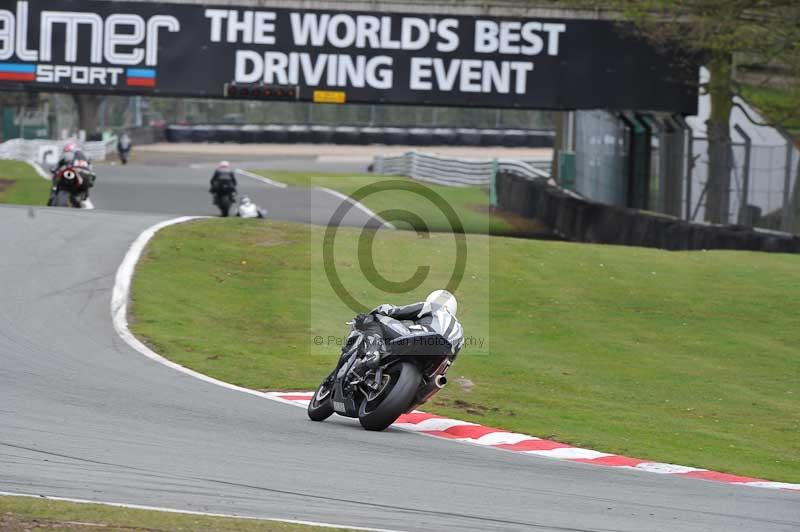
88	107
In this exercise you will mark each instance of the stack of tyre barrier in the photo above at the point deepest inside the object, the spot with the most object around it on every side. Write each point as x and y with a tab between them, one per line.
580	220
145	135
360	135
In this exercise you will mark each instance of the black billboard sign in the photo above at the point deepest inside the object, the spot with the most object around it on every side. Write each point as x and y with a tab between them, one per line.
362	57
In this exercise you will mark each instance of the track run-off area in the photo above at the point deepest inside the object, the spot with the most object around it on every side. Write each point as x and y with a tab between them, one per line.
83	415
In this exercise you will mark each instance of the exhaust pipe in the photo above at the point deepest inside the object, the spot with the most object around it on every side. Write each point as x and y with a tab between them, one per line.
430	389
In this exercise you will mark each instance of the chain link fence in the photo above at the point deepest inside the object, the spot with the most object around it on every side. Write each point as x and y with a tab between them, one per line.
656	163
762	188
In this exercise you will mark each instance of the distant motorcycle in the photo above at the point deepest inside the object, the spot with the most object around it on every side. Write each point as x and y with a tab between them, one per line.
71	186
124	146
223	187
410	370
123	154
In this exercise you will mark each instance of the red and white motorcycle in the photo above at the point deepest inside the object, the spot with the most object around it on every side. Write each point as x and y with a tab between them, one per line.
71	186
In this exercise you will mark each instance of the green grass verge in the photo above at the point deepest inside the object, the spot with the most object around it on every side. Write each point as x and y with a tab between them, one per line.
21	185
471	204
689	358
27	513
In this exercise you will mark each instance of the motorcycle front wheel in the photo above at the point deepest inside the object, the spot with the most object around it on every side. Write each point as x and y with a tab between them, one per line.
320	407
398	389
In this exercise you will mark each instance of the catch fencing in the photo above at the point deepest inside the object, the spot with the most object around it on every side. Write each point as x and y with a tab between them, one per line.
658	163
47	152
457	172
761	189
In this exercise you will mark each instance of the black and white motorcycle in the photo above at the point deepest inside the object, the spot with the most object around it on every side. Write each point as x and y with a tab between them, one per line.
377	384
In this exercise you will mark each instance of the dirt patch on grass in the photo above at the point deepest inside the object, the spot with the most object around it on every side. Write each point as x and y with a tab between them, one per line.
472	408
5	184
517	225
15	523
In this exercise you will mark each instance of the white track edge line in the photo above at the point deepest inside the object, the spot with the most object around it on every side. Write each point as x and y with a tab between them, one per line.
119	316
194	512
119	306
119	309
261	178
360	206
38	169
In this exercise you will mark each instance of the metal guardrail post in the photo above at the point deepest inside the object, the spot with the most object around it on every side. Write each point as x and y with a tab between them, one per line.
745	213
493	183
787	214
412	164
690	162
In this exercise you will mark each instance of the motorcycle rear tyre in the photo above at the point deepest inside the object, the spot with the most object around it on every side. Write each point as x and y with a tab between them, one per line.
224	203
62	199
397	400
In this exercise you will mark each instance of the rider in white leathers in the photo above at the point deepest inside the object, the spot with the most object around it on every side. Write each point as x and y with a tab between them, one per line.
387	322
248	209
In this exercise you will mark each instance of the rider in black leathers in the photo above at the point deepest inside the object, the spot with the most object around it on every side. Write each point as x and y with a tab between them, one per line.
224	178
223	187
124	145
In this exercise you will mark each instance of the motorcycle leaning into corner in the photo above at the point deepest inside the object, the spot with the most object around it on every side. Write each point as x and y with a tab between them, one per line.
71	184
379	379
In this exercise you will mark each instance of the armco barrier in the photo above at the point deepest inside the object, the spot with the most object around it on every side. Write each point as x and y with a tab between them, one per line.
580	220
348	134
451	171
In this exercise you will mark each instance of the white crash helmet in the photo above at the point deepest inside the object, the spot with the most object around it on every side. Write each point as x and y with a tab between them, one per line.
440	298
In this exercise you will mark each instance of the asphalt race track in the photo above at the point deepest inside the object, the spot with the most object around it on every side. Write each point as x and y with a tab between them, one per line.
82	415
180	189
